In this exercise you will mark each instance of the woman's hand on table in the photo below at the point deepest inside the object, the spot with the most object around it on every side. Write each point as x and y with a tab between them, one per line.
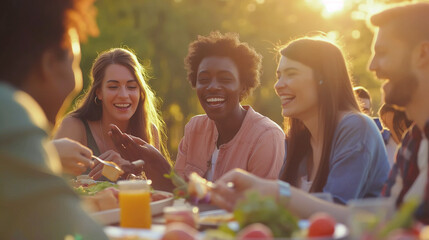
231	187
134	148
75	157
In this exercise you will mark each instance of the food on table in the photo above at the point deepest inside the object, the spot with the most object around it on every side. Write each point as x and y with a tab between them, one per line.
132	238
255	231
112	172
258	214
198	187
158	196
184	214
403	234
176	231
400	226
255	208
104	195
321	225
215	234
424	232
89	190
99	196
217	219
83	180
196	190
403	218
103	200
181	190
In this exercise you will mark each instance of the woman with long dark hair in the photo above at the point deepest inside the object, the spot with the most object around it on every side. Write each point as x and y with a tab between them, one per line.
331	146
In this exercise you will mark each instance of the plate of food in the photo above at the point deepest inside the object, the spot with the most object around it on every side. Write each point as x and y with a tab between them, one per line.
255	215
159	200
213	218
101	199
118	233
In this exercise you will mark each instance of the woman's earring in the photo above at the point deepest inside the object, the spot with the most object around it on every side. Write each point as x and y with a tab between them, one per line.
95	100
320	82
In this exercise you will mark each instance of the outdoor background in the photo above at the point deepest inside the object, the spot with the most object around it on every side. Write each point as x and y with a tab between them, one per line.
159	32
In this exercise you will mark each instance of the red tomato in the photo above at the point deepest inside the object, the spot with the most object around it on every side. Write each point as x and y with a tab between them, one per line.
255	231
321	225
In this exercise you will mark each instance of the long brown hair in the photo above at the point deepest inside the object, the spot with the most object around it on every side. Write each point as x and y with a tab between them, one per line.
335	94
146	113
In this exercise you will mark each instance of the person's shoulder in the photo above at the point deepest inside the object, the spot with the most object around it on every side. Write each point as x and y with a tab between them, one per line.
357	127
7	100
12	98
199	121
73	128
72	121
6	91
357	121
19	110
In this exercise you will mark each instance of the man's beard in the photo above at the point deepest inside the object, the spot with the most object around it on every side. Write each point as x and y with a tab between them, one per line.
400	88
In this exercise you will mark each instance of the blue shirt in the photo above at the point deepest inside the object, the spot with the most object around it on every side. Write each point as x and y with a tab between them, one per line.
358	166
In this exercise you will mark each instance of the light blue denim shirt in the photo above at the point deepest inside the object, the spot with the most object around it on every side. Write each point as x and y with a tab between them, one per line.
358	166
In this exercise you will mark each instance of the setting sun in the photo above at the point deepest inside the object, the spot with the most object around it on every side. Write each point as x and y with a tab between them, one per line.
332	6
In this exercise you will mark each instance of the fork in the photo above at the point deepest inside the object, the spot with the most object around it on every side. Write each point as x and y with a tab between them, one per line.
108	163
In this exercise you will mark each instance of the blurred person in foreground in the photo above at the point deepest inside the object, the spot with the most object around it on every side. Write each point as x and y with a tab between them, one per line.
40	55
401	56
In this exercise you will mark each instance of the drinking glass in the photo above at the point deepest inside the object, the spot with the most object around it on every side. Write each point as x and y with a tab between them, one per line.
368	214
134	203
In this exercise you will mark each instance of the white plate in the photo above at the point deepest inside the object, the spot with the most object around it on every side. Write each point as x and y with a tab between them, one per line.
111	216
212	213
156	232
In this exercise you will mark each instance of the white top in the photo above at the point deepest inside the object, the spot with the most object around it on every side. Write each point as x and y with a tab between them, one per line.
391	147
416	190
210	172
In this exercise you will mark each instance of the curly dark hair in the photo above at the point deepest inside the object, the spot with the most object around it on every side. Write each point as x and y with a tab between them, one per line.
247	60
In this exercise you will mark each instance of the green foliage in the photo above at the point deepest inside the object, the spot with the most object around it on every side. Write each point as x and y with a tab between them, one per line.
403	218
258	209
181	190
93	189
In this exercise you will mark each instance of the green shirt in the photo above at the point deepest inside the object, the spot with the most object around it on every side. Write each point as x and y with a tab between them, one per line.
35	202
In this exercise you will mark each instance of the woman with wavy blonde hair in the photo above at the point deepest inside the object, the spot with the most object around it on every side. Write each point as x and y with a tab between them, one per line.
119	95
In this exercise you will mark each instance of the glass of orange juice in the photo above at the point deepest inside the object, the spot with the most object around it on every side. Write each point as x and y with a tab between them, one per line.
134	203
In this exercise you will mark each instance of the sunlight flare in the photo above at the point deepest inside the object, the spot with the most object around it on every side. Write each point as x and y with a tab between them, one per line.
332	6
